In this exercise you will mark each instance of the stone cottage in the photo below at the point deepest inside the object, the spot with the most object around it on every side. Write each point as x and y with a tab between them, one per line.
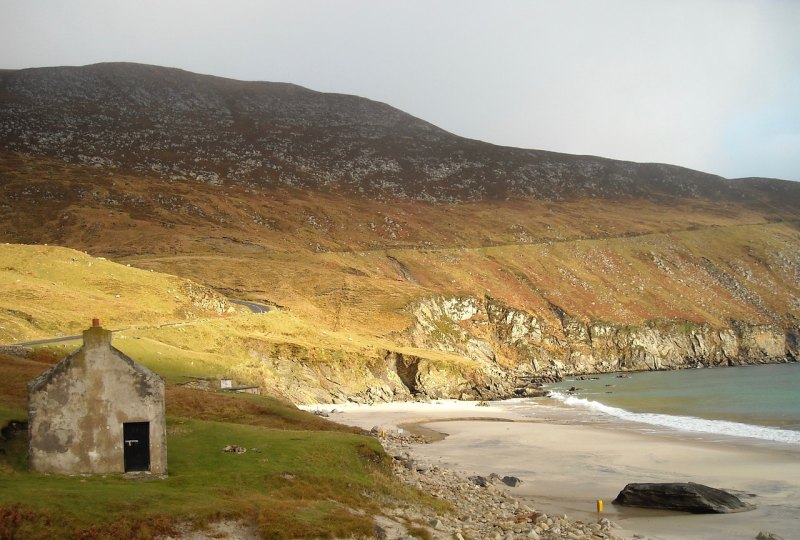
97	411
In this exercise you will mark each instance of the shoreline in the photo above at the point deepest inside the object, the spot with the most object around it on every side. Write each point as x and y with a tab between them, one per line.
567	461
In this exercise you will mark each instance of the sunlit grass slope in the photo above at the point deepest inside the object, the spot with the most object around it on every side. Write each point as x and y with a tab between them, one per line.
47	291
50	291
707	275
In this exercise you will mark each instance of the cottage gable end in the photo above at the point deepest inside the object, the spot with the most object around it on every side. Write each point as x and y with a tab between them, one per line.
84	410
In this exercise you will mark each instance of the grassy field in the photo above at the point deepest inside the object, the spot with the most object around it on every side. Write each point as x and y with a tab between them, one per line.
302	476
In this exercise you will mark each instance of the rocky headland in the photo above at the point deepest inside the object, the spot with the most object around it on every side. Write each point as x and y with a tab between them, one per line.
512	352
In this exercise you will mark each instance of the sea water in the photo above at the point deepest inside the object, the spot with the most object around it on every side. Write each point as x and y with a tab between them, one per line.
760	402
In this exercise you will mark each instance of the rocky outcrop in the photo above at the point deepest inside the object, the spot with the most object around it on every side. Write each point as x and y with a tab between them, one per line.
317	375
682	497
503	339
206	298
767	535
498	351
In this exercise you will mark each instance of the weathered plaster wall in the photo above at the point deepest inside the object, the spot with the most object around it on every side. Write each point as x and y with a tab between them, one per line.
77	409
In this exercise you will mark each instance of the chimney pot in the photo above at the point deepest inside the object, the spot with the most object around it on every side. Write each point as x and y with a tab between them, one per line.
96	323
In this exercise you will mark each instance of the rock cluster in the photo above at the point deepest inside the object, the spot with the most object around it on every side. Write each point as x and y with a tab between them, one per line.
481	508
206	298
766	535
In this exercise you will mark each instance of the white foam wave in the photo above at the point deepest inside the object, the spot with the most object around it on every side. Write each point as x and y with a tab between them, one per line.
684	423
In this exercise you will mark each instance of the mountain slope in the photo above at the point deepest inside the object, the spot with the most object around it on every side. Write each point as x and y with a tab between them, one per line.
180	125
421	261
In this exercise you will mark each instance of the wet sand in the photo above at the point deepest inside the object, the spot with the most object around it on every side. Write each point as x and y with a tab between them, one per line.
567	463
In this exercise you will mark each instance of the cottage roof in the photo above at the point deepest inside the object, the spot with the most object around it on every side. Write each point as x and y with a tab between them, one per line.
93	337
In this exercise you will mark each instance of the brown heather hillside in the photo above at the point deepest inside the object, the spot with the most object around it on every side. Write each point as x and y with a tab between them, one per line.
431	263
47	201
375	296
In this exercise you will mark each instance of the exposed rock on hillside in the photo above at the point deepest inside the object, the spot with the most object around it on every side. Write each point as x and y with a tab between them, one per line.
180	125
501	337
207	299
505	352
315	375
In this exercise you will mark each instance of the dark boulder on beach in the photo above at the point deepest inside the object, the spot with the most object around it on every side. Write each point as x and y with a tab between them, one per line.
682	497
511	481
481	481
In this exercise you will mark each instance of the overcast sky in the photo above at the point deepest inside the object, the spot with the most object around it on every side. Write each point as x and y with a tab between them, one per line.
712	85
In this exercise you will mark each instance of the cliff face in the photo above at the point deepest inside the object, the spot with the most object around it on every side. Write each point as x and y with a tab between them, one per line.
501	338
317	375
507	351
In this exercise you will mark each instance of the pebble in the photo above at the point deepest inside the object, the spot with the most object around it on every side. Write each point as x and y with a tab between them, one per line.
479	512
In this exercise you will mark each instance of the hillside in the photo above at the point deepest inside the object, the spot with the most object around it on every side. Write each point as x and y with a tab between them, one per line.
428	263
184	126
51	291
184	331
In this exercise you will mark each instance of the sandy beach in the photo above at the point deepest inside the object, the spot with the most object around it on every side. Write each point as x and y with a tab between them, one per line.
567	462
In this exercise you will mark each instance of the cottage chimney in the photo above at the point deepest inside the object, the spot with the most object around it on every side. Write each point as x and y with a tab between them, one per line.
96	335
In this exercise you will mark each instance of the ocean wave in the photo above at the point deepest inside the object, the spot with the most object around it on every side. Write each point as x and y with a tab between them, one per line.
684	423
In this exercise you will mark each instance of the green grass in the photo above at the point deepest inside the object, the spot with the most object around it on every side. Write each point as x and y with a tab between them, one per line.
299	469
171	362
302	476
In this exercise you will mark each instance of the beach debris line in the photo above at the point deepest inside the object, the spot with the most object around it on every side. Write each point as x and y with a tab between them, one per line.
682	497
483	510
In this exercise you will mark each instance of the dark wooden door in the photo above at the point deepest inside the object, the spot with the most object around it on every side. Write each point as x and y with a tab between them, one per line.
136	441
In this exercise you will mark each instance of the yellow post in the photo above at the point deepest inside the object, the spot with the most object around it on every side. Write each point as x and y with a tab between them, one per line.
599	508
